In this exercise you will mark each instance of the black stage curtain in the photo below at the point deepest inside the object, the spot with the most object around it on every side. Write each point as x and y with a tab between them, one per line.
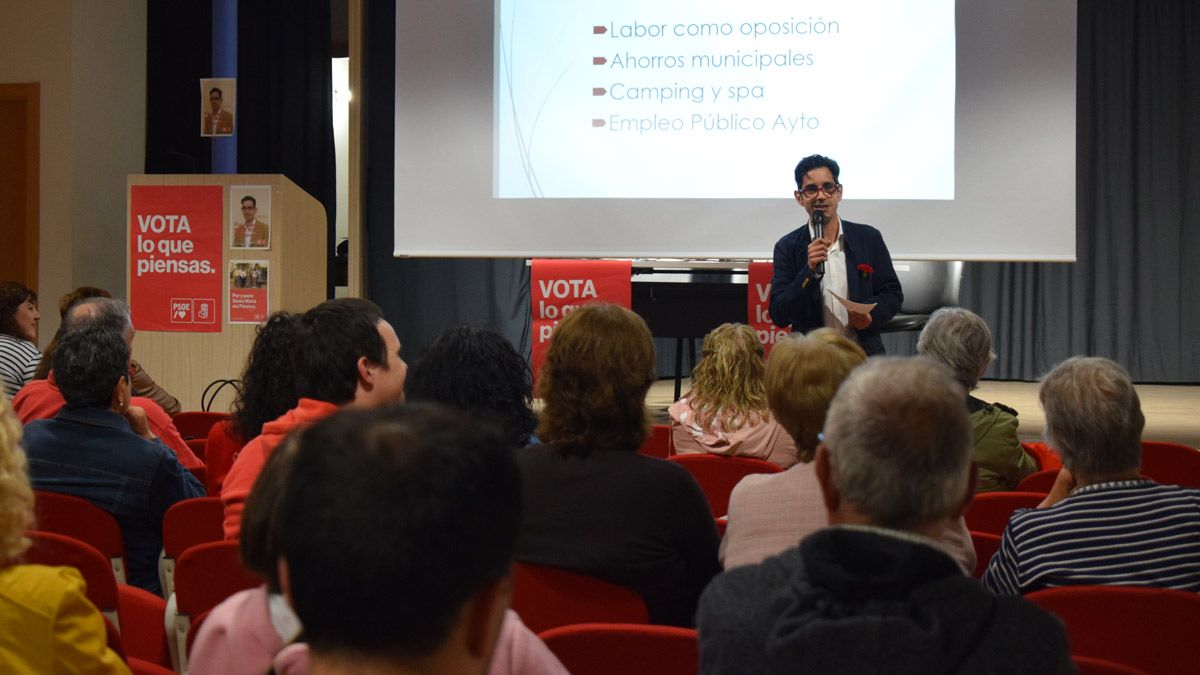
1138	226
1138	209
423	297
178	54
285	98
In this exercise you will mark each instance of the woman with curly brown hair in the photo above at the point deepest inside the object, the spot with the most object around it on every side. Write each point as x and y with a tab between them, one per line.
726	412
593	504
47	624
19	355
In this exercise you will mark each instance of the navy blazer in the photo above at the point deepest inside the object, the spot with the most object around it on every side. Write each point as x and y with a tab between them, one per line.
796	298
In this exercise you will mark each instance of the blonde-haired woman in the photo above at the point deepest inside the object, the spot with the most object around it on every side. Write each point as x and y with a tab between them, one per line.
726	411
47	624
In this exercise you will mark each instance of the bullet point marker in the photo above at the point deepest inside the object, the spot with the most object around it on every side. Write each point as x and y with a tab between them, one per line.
597	122
599	60
599	91
599	30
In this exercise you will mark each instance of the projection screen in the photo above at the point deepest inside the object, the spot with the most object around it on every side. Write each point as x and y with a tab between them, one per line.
542	128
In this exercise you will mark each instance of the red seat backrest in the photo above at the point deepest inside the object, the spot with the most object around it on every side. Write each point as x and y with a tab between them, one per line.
658	443
219	450
1046	458
1151	629
989	511
717	475
196	424
601	649
986	545
208	573
1038	481
546	597
1171	463
191	522
80	519
54	549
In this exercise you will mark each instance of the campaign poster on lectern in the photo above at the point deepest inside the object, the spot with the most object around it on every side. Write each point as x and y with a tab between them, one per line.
175	257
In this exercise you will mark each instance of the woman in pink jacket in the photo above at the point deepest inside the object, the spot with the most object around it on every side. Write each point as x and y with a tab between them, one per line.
725	412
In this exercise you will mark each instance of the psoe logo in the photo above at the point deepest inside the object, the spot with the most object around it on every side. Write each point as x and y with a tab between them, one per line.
181	310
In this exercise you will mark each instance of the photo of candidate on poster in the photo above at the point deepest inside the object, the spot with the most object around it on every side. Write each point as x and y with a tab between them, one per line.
248	298
218	106
250	212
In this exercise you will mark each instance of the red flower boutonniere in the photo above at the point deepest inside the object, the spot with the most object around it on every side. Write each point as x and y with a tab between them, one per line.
865	271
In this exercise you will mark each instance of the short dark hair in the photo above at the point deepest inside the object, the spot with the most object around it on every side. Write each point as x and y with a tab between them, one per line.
250	199
332	337
88	364
13	294
268	381
815	162
217	90
391	519
478	371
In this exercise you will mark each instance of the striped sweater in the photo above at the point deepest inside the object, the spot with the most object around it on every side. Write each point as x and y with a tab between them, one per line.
19	360
1127	533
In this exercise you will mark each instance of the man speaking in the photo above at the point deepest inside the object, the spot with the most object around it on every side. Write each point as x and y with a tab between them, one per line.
830	258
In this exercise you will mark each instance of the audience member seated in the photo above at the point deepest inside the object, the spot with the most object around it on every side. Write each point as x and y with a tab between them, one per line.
477	371
143	385
801	378
1101	523
47	624
19	355
874	592
593	504
252	632
962	341
100	447
268	380
410	570
345	353
41	399
725	412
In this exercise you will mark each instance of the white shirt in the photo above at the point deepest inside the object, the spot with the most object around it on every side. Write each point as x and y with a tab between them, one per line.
834	281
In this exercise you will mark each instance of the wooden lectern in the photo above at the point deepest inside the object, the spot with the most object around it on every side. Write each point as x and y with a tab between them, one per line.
184	363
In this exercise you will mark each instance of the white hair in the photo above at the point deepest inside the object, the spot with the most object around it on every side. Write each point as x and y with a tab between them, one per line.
899	441
960	339
1093	416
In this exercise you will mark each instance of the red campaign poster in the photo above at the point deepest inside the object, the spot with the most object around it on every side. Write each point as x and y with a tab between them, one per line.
559	286
758	303
175	257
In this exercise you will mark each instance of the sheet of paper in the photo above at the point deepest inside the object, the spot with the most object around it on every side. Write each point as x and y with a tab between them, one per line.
854	306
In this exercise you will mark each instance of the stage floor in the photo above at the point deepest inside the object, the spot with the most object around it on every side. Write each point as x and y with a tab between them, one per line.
1172	411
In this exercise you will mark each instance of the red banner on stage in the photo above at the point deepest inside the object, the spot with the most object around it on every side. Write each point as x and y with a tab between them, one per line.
175	257
758	303
559	286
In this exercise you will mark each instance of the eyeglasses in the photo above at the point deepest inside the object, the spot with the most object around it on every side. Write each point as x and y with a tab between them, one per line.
812	189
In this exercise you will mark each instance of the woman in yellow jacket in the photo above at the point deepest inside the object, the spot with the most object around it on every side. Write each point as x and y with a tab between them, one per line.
47	624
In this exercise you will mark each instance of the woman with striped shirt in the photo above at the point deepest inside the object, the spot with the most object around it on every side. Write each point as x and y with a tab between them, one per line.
19	355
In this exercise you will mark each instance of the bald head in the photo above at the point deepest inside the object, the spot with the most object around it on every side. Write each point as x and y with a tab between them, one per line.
107	313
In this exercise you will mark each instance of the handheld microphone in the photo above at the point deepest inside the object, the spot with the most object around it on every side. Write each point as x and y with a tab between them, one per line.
818	219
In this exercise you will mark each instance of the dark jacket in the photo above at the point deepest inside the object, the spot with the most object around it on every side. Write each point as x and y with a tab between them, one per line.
636	521
92	453
796	298
853	601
